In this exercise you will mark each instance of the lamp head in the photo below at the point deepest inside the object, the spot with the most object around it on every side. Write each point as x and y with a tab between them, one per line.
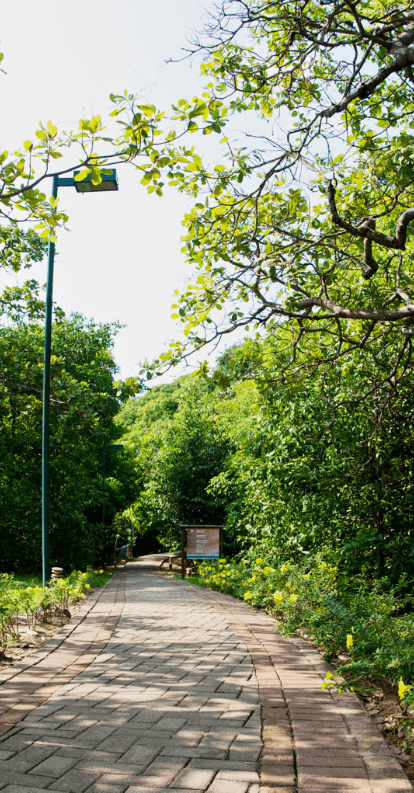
109	182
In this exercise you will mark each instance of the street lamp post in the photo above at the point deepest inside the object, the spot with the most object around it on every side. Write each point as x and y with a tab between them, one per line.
104	448
109	182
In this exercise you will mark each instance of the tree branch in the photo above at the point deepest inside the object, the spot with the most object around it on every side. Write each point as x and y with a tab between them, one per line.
378	315
367	229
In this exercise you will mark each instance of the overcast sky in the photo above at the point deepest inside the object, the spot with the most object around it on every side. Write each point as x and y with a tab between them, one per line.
121	259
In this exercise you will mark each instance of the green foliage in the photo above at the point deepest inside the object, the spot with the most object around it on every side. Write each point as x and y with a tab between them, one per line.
320	462
19	248
25	171
161	402
304	222
178	448
84	402
331	608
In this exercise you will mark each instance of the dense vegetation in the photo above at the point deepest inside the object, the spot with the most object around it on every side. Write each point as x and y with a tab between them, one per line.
288	470
84	400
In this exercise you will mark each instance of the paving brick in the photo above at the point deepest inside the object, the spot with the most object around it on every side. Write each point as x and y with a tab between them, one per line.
228	786
222	765
54	766
16	778
99	787
141	783
22	789
277	774
139	753
15	743
279	789
171	724
239	776
194	779
323	772
238	753
75	781
165	767
30	757
98	767
143	789
327	760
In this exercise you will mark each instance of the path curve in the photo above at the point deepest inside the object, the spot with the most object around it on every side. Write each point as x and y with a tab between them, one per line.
160	685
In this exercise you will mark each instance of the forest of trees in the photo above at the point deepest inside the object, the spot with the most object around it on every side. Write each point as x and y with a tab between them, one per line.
287	471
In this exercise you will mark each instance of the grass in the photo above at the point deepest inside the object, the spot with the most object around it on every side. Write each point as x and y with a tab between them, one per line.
27	579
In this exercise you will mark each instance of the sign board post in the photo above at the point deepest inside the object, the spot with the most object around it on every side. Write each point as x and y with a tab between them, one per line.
183	555
203	542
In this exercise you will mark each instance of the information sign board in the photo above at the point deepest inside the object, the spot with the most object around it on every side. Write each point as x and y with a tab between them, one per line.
203	542
200	542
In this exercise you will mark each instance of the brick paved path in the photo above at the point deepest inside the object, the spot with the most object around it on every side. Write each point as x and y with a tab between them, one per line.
161	686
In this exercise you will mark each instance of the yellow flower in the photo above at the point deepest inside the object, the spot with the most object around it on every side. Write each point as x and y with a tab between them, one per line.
285	568
87	586
293	598
277	598
259	561
247	596
349	641
101	572
402	688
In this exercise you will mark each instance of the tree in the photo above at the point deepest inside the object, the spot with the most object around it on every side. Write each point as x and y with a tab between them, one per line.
306	226
84	400
178	448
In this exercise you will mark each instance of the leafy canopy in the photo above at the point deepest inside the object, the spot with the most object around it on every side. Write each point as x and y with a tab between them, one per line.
307	224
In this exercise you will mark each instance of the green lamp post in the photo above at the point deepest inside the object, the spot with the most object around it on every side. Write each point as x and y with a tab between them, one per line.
109	182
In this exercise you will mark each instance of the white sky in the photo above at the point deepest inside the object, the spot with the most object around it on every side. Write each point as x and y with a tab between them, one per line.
121	260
